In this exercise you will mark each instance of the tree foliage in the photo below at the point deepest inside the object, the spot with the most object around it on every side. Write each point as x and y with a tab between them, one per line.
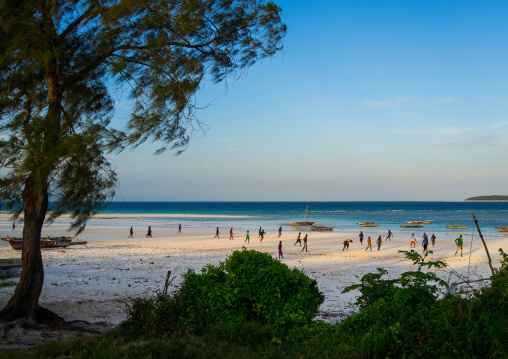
61	62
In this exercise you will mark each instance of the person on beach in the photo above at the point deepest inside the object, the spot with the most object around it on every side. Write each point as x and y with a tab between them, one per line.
298	239
413	241
425	243
13	225
280	250
389	236
425	237
305	243
361	237
346	244
231	234
217	233
369	244
280	231
262	235
379	242
131	233
149	234
247	239
260	230
433	239
180	228
459	242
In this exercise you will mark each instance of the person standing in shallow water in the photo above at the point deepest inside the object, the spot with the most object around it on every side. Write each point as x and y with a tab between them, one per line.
217	233
149	234
305	243
247	239
280	250
379	242
361	237
369	244
13	225
280	231
131	233
180	228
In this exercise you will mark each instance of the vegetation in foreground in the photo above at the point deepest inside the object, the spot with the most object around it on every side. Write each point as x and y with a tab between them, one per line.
254	306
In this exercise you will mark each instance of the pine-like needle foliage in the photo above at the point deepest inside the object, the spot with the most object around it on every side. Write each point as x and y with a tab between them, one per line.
60	60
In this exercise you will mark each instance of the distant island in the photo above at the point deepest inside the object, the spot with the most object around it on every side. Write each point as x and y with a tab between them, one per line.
488	198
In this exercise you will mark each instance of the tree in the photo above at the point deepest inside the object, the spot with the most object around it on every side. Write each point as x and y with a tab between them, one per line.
60	63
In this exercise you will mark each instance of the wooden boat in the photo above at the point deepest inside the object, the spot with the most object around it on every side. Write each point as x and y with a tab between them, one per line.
303	223
457	227
370	225
420	222
321	228
10	267
362	223
503	229
46	242
411	225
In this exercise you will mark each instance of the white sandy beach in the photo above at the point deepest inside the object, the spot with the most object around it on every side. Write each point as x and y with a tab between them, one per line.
96	283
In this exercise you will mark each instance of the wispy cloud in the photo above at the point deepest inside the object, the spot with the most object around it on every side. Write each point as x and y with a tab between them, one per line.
469	142
446	130
498	125
386	103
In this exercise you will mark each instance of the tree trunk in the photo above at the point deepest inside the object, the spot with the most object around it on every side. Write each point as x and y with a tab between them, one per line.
25	301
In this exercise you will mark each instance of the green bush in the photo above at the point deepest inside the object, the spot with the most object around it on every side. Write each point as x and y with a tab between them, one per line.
248	286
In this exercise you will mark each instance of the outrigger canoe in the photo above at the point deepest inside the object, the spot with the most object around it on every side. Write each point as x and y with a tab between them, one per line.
304	222
46	242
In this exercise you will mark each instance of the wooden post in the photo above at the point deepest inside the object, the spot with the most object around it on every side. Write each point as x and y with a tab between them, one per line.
484	244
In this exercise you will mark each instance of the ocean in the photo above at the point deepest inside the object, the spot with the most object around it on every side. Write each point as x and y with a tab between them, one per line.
342	215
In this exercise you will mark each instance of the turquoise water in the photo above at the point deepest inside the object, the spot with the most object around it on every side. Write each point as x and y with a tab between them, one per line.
342	215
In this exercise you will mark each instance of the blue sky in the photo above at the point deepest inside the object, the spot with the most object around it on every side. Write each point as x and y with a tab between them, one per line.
369	100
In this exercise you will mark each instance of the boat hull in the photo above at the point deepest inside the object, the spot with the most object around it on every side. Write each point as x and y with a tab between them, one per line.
307	223
321	228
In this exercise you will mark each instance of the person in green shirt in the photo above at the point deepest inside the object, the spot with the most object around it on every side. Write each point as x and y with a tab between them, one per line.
459	241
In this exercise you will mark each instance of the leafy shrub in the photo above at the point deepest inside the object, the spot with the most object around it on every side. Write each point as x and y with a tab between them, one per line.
248	286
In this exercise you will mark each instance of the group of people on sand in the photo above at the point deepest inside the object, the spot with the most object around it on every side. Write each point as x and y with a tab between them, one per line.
425	239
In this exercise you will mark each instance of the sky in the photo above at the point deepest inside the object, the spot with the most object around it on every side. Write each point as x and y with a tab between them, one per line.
368	101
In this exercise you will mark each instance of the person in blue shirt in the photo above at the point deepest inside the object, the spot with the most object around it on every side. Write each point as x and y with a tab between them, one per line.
425	243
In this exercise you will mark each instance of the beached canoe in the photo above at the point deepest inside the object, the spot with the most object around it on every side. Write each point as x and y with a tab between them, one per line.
321	228
46	242
457	227
411	226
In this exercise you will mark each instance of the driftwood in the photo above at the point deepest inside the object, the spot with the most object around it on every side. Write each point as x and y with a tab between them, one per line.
484	244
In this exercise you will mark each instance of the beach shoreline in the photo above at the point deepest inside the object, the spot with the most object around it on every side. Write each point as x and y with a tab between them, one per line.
97	284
